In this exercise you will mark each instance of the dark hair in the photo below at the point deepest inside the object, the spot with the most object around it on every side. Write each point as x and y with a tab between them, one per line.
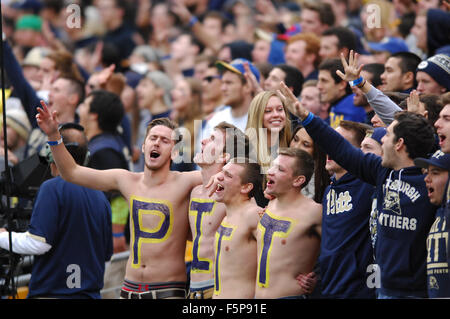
75	141
444	99
346	38
406	23
111	55
408	62
193	38
332	65
433	105
251	174
234	139
375	69
294	77
163	121
321	175
214	14
304	163
325	11
359	131
416	132
109	108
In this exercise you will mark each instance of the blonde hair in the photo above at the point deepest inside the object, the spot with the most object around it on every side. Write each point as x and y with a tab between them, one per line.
255	132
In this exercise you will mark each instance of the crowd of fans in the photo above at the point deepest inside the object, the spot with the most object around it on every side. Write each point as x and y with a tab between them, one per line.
113	66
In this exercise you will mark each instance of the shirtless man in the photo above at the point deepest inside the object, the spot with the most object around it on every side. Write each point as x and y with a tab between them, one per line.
158	215
205	214
289	232
235	246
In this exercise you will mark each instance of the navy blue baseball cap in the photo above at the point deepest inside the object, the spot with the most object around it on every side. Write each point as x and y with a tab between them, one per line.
438	159
389	44
377	134
237	66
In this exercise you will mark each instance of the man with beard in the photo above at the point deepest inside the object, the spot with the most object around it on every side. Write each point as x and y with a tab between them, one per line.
159	224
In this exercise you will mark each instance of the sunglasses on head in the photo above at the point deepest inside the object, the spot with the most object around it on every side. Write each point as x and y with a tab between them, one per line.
210	78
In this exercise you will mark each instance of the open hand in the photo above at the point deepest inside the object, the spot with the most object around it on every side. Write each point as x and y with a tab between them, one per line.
251	79
291	102
351	69
413	102
47	121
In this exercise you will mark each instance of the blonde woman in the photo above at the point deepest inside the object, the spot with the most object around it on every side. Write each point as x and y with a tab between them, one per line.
268	127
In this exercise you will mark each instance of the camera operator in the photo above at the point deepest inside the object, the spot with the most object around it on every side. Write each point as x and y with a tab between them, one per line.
70	232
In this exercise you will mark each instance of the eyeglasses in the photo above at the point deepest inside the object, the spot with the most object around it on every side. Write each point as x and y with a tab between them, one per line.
210	78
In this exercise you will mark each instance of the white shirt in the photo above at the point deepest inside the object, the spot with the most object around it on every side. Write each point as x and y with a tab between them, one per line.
224	115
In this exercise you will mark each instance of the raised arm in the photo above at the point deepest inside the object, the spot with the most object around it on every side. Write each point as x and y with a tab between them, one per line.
22	88
365	166
382	105
104	180
179	8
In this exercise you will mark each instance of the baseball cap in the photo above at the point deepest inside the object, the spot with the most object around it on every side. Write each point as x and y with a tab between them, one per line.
438	67
438	159
389	44
237	66
17	119
377	134
29	22
34	56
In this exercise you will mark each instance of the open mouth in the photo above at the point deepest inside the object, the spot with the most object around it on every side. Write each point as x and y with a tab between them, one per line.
442	138
270	182
430	191
154	154
219	188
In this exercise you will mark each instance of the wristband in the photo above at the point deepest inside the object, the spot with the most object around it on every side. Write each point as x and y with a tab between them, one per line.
118	235
361	84
356	82
54	143
308	119
192	21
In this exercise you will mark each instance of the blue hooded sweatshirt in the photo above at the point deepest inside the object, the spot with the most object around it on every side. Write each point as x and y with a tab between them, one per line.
405	212
346	250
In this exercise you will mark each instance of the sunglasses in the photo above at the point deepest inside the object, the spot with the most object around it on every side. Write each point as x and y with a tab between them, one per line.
210	78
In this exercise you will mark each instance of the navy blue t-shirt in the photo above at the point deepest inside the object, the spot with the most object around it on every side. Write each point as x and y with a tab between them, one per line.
76	222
